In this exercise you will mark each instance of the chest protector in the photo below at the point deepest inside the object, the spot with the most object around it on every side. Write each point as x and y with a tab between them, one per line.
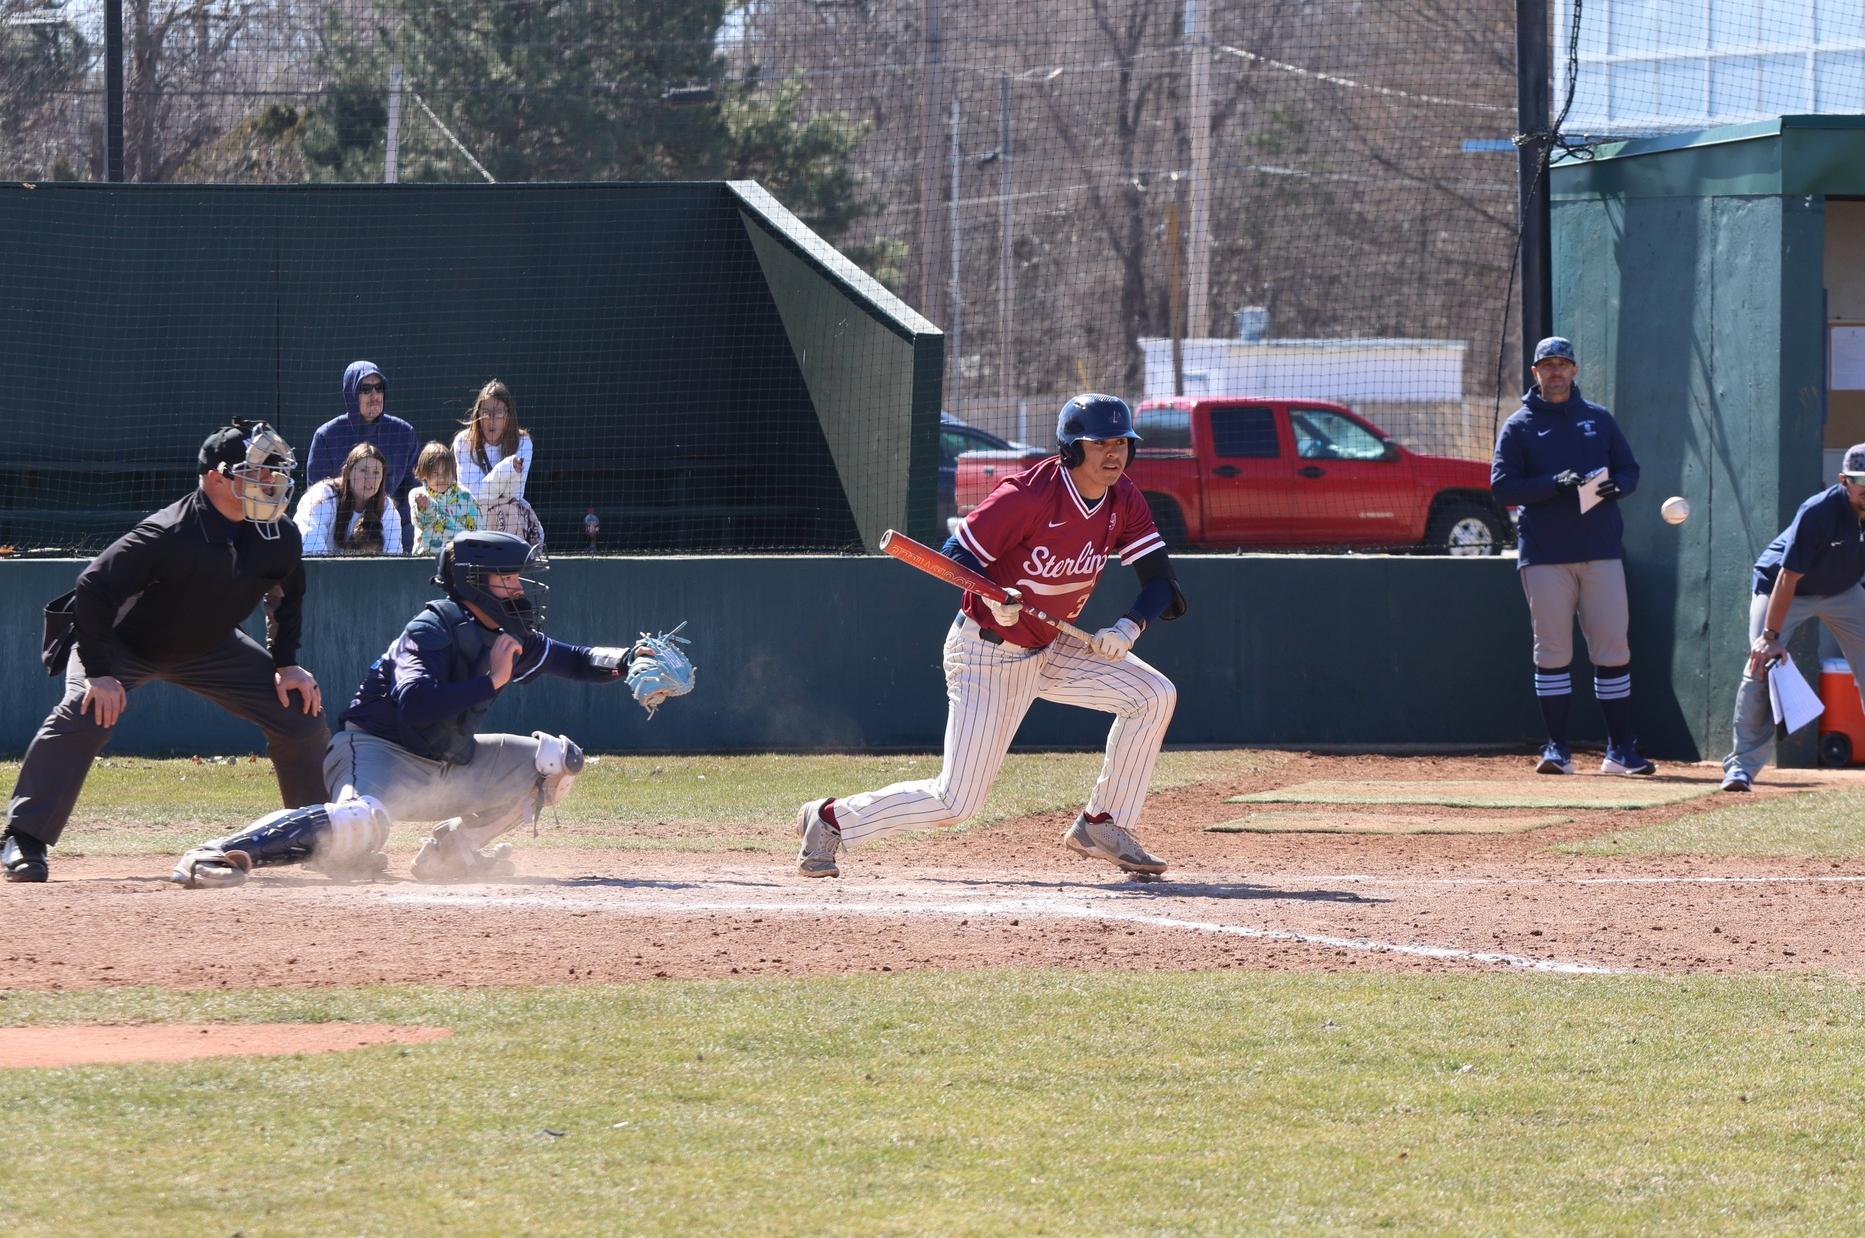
445	624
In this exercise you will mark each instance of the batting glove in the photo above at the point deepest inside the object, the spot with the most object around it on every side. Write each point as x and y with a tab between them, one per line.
1609	489
1008	612
1567	479
1113	643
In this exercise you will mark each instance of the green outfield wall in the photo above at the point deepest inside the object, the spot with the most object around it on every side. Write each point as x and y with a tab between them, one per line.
1689	274
842	653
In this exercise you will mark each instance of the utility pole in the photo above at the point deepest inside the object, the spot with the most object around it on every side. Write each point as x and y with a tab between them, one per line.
958	301
1534	115
391	165
1198	295
113	90
931	253
1006	265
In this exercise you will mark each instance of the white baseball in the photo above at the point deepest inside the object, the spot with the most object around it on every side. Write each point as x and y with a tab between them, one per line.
1676	510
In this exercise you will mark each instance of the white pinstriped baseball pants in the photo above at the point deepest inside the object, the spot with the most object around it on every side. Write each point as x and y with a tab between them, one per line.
990	688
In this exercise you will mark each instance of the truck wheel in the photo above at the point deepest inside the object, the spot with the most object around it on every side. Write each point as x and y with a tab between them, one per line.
1168	520
1835	748
1463	528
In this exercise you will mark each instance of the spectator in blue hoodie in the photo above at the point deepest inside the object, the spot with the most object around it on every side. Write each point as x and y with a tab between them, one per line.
366	420
1571	560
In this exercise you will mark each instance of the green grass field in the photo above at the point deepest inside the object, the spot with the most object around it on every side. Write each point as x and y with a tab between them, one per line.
995	1102
1809	823
139	806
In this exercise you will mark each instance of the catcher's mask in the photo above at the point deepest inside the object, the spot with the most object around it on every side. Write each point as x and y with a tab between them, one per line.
1094	417
470	560
259	463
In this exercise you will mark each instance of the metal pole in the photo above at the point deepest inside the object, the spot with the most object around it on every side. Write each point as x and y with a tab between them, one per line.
113	90
391	164
1006	266
1175	324
958	301
1533	117
1198	276
931	53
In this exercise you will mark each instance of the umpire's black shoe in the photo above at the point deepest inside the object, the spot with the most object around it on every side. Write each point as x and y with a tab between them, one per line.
23	857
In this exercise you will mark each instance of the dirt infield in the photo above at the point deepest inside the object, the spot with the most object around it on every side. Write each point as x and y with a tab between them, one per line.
110	1044
1002	896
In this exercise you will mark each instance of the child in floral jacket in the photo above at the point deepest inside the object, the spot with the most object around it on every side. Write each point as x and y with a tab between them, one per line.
439	506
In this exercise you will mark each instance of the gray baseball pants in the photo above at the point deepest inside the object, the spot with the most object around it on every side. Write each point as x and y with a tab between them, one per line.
490	794
1596	590
237	676
1844	616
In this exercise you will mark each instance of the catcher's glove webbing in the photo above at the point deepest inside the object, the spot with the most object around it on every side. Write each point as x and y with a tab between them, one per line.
664	671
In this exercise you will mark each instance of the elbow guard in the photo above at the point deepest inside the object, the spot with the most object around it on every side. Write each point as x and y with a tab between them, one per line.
1176	607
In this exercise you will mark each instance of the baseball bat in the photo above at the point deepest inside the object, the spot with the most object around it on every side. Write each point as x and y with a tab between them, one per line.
930	561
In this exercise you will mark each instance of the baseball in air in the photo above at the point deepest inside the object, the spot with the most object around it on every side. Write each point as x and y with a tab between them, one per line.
1676	510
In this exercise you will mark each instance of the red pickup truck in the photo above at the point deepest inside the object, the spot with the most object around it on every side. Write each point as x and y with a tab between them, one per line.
1241	471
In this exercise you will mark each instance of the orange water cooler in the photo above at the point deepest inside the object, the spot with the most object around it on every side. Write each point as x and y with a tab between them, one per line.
1842	724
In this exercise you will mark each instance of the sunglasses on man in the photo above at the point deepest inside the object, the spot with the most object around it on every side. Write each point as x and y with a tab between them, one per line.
372	388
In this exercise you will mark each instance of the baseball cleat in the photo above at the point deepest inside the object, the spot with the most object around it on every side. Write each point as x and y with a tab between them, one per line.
1098	838
821	840
1737	780
23	857
209	868
1555	759
1625	760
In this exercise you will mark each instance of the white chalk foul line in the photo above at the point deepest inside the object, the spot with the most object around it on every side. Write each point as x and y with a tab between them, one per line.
1707	879
1054	908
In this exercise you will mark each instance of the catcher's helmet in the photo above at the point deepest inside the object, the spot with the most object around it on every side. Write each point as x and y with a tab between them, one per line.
1092	417
469	559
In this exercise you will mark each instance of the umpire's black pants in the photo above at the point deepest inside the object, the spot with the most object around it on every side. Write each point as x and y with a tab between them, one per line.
237	676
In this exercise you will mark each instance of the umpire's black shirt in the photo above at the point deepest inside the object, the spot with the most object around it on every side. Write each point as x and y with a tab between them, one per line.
176	586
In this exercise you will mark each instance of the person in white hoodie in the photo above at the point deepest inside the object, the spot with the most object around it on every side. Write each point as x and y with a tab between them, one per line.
491	437
349	514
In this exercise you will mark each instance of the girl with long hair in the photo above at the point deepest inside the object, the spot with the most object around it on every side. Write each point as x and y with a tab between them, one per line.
350	514
493	439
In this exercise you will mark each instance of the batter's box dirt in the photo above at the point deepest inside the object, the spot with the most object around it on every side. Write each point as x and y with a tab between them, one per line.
1380	823
1570	792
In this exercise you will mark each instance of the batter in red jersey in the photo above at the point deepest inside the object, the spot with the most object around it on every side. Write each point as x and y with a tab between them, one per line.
1044	534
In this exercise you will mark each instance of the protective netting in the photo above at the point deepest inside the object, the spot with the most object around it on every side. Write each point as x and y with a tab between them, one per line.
1298	218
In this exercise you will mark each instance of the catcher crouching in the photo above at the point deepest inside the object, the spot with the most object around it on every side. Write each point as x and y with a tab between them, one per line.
410	749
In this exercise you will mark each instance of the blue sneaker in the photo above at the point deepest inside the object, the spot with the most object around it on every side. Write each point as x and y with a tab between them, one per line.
1625	760
1555	759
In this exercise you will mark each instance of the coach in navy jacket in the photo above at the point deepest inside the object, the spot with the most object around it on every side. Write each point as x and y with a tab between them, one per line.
366	420
1571	561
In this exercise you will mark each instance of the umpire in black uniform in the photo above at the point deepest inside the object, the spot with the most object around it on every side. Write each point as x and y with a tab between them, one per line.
165	601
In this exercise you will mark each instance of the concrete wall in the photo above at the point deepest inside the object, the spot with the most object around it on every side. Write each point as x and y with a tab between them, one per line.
827	653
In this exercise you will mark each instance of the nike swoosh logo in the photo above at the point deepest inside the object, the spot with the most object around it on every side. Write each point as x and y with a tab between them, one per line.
1056	524
1543	433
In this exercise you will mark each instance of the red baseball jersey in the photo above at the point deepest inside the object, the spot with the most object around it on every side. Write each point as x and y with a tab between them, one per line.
1036	533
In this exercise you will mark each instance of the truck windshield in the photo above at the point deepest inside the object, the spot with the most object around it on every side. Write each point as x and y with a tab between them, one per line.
1164	429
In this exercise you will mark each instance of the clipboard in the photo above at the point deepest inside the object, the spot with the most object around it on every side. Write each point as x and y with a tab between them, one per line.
1588	490
1793	702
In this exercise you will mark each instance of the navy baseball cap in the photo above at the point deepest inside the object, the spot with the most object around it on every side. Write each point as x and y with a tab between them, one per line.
1555	346
1854	466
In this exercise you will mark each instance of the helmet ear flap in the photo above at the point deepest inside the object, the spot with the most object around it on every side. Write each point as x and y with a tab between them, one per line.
1071	454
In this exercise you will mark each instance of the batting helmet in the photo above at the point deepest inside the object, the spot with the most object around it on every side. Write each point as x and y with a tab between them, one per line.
467	562
1092	417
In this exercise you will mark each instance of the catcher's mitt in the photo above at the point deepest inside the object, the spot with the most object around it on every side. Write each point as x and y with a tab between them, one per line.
663	672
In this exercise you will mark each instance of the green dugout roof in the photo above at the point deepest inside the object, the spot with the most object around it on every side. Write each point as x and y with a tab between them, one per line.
1821	155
